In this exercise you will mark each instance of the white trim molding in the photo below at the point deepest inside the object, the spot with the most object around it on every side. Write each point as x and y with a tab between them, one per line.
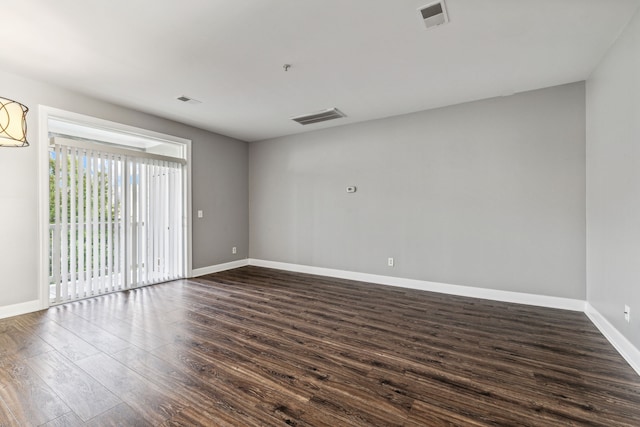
627	350
22	308
218	268
444	288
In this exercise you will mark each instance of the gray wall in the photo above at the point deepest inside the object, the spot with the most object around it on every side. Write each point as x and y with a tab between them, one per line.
219	171
613	183
488	194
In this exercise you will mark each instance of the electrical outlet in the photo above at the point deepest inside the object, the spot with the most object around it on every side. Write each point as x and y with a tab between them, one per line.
234	250
200	214
627	313
390	262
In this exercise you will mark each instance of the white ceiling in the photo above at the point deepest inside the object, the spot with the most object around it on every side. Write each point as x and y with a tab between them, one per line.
369	58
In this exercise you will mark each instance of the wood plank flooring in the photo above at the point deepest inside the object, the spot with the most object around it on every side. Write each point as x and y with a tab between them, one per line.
260	347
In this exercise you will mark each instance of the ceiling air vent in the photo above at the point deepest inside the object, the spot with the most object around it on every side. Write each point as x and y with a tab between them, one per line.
322	116
188	100
434	14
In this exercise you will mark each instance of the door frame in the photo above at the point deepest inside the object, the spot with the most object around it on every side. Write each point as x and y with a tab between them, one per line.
45	113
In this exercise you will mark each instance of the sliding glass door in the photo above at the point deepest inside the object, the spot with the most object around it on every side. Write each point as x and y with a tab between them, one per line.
115	219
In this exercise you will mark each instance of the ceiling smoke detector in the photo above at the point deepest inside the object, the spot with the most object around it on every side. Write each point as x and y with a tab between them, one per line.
434	14
321	116
188	100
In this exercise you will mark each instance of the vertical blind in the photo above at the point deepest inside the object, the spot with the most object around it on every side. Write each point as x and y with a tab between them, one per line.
116	221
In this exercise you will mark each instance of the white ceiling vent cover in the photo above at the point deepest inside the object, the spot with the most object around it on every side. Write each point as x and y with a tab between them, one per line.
434	14
188	100
321	116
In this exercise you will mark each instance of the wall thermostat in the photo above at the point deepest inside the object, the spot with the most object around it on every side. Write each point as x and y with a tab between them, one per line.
351	189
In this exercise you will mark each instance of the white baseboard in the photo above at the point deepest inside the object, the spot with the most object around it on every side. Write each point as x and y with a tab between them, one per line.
627	350
465	291
22	308
219	267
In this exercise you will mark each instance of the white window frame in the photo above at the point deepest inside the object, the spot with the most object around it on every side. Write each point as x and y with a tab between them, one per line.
46	113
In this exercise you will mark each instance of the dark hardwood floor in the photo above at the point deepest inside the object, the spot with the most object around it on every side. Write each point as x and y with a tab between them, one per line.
255	347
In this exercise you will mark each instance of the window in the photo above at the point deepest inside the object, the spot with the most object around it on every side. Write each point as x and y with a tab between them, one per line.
117	210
